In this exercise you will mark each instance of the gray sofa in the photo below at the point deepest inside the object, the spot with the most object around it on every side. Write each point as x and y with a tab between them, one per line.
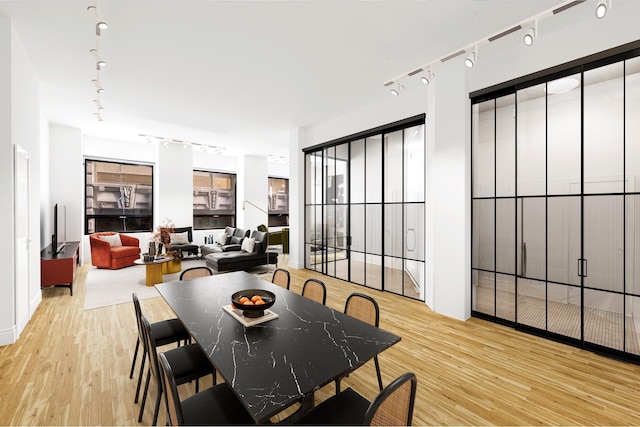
233	243
221	262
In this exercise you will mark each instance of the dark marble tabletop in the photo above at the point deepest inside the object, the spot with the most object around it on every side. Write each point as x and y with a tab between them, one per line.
272	365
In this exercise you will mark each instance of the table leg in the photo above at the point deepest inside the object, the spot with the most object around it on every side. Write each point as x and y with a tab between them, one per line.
154	274
173	266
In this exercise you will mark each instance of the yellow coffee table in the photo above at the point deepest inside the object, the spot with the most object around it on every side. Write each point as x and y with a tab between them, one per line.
155	269
173	266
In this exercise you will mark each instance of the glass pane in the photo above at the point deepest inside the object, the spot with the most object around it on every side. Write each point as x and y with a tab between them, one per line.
341	226
564	135
532	243
632	124
632	245
357	267
393	241
632	325
414	244
506	146
373	278
342	268
483	237
373	224
506	297
357	171
373	184
392	164
309	179
393	275
342	157
414	278
603	318
603	242
532	303
329	225
483	149
603	129
563	239
414	170
483	291
506	235
564	310
531	141
278	196
357	228
329	175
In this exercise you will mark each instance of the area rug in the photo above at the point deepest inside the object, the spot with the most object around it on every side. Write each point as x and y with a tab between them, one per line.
110	287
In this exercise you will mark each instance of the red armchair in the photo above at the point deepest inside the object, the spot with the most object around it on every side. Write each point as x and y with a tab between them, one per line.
103	255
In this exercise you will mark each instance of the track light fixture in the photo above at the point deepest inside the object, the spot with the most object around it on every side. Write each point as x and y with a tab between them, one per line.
426	79
531	34
602	8
396	91
471	60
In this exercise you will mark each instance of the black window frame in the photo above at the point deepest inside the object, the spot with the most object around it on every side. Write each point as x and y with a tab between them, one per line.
277	217
123	218
207	218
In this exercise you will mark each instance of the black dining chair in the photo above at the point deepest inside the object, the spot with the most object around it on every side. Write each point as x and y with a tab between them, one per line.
165	331
281	277
217	405
365	308
194	272
315	290
393	406
188	362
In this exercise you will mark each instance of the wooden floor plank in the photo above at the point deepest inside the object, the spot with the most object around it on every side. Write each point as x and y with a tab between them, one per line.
71	367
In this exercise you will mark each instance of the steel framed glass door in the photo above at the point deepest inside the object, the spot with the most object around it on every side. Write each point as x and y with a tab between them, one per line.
365	210
557	255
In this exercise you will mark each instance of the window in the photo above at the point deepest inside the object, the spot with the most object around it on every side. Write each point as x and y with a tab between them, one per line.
118	197
278	202
214	200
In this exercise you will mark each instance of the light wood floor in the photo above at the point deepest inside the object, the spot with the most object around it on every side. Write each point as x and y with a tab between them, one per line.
71	367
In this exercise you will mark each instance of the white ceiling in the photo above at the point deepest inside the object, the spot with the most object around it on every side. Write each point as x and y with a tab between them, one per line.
238	73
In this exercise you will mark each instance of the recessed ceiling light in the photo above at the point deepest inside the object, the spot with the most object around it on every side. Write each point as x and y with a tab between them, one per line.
563	85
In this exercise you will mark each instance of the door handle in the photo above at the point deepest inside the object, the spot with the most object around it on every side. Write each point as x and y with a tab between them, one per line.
524	259
582	262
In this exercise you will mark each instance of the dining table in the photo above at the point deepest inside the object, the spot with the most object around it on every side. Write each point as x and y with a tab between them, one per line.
272	364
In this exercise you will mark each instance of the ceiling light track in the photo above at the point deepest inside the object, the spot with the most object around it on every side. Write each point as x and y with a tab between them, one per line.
187	145
100	25
531	24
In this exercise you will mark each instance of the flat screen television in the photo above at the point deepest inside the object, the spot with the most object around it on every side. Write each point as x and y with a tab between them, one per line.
59	238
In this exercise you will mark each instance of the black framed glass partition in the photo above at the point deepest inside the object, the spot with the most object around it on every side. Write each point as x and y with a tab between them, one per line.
555	173
365	208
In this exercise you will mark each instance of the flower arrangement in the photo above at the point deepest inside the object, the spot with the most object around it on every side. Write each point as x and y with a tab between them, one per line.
161	235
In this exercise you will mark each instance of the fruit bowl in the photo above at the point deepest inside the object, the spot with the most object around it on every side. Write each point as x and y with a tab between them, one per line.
253	310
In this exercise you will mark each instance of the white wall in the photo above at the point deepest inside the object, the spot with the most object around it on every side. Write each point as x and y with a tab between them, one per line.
19	125
253	187
448	132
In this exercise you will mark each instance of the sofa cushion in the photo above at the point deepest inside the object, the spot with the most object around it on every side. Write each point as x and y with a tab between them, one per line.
248	243
179	238
222	239
113	239
124	251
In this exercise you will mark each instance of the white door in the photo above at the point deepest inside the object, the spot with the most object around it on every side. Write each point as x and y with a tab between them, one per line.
22	242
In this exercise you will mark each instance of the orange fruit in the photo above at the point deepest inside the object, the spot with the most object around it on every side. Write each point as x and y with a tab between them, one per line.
256	298
244	300
259	302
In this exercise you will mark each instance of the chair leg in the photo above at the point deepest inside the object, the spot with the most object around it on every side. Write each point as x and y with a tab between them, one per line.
144	395
338	385
144	359
157	408
375	359
197	385
135	356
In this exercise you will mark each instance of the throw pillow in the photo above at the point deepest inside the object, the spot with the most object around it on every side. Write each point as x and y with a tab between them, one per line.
222	239
248	243
179	238
113	240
